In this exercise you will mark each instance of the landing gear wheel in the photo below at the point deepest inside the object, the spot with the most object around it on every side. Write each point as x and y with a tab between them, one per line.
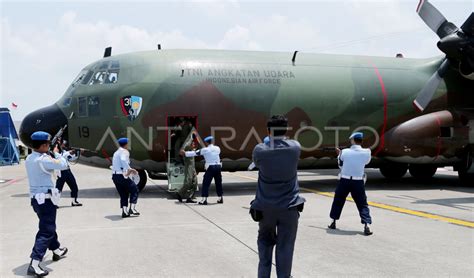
466	172
466	178
422	171
393	171
143	179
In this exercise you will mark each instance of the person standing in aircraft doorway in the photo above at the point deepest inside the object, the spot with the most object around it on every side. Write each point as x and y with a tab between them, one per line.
213	168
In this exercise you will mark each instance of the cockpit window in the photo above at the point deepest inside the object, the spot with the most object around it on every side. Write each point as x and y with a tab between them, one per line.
114	65
98	77
106	72
87	77
104	65
80	77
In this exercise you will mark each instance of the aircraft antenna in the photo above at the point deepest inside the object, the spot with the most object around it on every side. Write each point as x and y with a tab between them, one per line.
294	57
108	52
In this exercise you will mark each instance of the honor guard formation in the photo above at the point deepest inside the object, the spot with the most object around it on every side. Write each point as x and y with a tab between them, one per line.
276	207
417	116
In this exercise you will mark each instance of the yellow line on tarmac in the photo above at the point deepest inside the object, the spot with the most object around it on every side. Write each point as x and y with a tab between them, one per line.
460	222
403	210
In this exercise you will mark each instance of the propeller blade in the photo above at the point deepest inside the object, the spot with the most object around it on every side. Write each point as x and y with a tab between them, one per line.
435	19
468	25
426	94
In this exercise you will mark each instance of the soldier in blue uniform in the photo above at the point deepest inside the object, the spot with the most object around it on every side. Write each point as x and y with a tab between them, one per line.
352	162
121	176
66	176
213	169
44	198
277	203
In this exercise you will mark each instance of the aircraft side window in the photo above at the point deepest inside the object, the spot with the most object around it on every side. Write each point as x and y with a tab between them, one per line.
67	102
82	107
93	103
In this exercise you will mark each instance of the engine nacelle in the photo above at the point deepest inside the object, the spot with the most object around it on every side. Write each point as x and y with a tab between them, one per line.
425	139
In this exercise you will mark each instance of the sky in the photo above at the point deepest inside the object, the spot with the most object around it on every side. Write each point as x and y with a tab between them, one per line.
45	44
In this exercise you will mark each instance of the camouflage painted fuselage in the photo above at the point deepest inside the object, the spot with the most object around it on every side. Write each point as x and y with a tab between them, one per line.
232	93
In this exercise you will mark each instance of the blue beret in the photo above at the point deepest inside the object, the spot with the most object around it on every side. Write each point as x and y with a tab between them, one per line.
266	140
357	135
122	141
40	136
208	139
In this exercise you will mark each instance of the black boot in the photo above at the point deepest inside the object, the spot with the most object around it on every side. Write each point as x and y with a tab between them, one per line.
133	212
332	225
220	200
367	230
180	199
75	203
31	271
203	202
57	257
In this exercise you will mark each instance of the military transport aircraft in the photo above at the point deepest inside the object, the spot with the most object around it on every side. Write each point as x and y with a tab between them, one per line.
418	114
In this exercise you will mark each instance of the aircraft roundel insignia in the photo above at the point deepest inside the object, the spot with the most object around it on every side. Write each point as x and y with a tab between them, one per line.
131	106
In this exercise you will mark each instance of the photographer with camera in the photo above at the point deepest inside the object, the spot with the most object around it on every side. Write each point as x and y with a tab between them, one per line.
277	203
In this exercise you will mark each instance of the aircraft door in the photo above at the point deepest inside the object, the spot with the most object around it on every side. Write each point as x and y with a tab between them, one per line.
180	135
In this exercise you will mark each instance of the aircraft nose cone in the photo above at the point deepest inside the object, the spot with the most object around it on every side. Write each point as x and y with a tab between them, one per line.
49	119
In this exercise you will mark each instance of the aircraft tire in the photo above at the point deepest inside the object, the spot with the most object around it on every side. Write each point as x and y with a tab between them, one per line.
465	178
422	171
143	179
466	173
393	171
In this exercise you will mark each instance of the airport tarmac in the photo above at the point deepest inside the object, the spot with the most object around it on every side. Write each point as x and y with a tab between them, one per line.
421	229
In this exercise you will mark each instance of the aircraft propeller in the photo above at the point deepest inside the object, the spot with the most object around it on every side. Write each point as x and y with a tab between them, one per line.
456	43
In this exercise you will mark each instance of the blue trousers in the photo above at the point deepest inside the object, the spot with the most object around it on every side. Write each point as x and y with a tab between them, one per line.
67	177
46	238
357	190
212	172
125	188
277	227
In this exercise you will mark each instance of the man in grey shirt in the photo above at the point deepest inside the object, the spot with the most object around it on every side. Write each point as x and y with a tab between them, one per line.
277	202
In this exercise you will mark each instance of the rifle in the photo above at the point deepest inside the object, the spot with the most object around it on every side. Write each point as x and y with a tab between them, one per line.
55	139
